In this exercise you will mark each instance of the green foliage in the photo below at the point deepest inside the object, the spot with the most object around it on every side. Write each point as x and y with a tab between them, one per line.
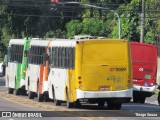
73	28
95	27
150	37
130	23
55	34
92	26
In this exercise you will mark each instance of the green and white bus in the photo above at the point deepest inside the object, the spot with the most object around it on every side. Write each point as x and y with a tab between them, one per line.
16	65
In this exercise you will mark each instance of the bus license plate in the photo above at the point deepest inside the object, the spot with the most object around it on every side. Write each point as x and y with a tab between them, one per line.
104	88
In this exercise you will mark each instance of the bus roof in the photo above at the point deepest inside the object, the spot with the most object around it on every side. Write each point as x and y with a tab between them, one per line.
72	42
17	41
39	42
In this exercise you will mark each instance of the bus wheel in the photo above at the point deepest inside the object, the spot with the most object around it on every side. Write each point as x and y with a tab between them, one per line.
118	106
40	96
142	100
77	104
101	103
69	104
158	98
135	99
17	91
23	92
46	96
10	90
110	106
56	102
31	95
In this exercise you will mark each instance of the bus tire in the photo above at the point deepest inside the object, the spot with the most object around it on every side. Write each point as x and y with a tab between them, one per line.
110	106
46	98
17	91
10	90
158	98
142	100
135	99
56	102
31	95
77	104
23	92
40	96
117	106
101	103
69	104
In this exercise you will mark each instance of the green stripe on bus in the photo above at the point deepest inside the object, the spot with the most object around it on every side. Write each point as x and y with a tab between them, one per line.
18	76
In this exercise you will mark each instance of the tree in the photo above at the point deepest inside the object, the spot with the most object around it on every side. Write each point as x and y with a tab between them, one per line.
130	22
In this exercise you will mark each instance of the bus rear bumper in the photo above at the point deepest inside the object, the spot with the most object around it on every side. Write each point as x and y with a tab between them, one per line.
144	89
104	94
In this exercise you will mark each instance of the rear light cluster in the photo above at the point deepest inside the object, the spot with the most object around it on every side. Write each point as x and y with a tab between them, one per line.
24	73
151	84
79	82
129	82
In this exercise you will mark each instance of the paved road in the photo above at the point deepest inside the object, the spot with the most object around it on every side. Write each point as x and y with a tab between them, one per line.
22	103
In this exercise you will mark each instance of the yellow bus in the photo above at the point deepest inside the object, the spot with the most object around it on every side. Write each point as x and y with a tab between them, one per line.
91	70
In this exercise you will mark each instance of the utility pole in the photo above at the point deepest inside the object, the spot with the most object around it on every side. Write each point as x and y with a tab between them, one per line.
142	21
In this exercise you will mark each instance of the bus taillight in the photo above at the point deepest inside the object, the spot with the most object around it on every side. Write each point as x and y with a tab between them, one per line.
129	81
151	84
80	82
24	73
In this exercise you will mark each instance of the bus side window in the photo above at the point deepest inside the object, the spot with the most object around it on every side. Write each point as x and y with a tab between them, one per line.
60	58
70	58
53	57
30	55
17	53
37	55
42	53
67	57
33	56
50	56
63	57
73	58
13	53
56	57
20	54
